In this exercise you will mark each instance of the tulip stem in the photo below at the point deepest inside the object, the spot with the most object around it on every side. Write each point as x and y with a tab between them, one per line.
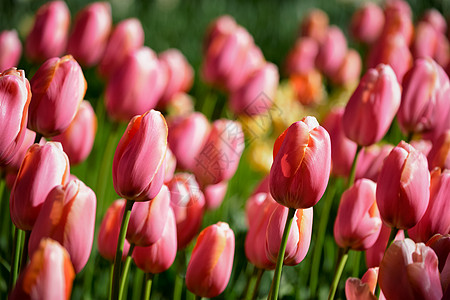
356	264
123	278
24	257
15	257
351	178
274	288
119	250
258	282
392	236
148	285
37	138
338	273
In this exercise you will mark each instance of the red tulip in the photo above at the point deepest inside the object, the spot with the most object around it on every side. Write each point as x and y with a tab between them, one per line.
58	88
364	289
90	33
10	49
49	275
214	194
439	155
301	59
137	166
43	168
367	23
372	107
15	97
315	25
48	37
332	51
209	269
403	187
301	166
370	161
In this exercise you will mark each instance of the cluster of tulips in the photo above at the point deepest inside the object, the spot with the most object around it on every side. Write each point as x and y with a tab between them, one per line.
169	170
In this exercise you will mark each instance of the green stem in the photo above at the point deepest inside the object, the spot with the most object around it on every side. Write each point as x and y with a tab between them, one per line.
257	284
111	272
123	278
356	264
250	282
137	284
148	285
178	289
274	288
351	178
179	277
119	250
337	274
15	257
37	138
24	257
392	236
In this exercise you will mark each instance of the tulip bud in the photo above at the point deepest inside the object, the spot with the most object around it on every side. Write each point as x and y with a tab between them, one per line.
251	63
301	166
78	139
356	289
187	135
439	155
441	246
425	41
108	233
135	88
188	204
219	157
442	54
49	275
138	171
58	88
403	187
15	98
90	33
10	49
209	269
181	104
14	165
332	51
257	93
308	87
435	19
68	217
374	254
299	236
170	164
301	59
349	71
214	194
398	20
315	25
437	216
372	107
367	23
43	168
223	25
410	271
48	37
370	160
423	146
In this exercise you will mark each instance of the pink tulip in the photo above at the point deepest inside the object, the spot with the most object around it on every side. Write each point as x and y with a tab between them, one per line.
223	25
403	187
48	37
364	288
214	194
187	135
439	155
410	271
374	254
299	236
159	256
425	41
257	93
147	219
68	217
188	204
58	88
435	19
367	23
19	155
170	165
10	49
49	275
108	233
90	33
437	216
263	186
15	98
398	20
370	161
342	149
423	146
301	59
301	166
138	171
442	115
332	51
442	53
43	168
209	269
219	157
135	88
78	139
126	37
315	25
350	69
181	104
372	107
441	246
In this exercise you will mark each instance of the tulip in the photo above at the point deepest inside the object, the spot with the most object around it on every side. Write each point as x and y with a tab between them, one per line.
43	168
78	139
49	275
367	23
442	115
10	49
439	155
403	187
350	69
358	222
301	59
188	204
370	160
170	164
441	246
109	231
423	146
437	216
15	97
442	53
58	88
90	33
68	217
187	135
136	87
137	171
356	289
257	93
219	157
398	20
147	219
435	19
332	51
126	37
14	165
263	186
315	25
301	167
209	269
409	271
374	254
159	256
48	37
425	41
223	25
308	87
372	107
214	194
181	104
342	149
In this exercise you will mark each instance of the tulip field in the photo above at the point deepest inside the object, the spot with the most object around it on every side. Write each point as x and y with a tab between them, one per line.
225	150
